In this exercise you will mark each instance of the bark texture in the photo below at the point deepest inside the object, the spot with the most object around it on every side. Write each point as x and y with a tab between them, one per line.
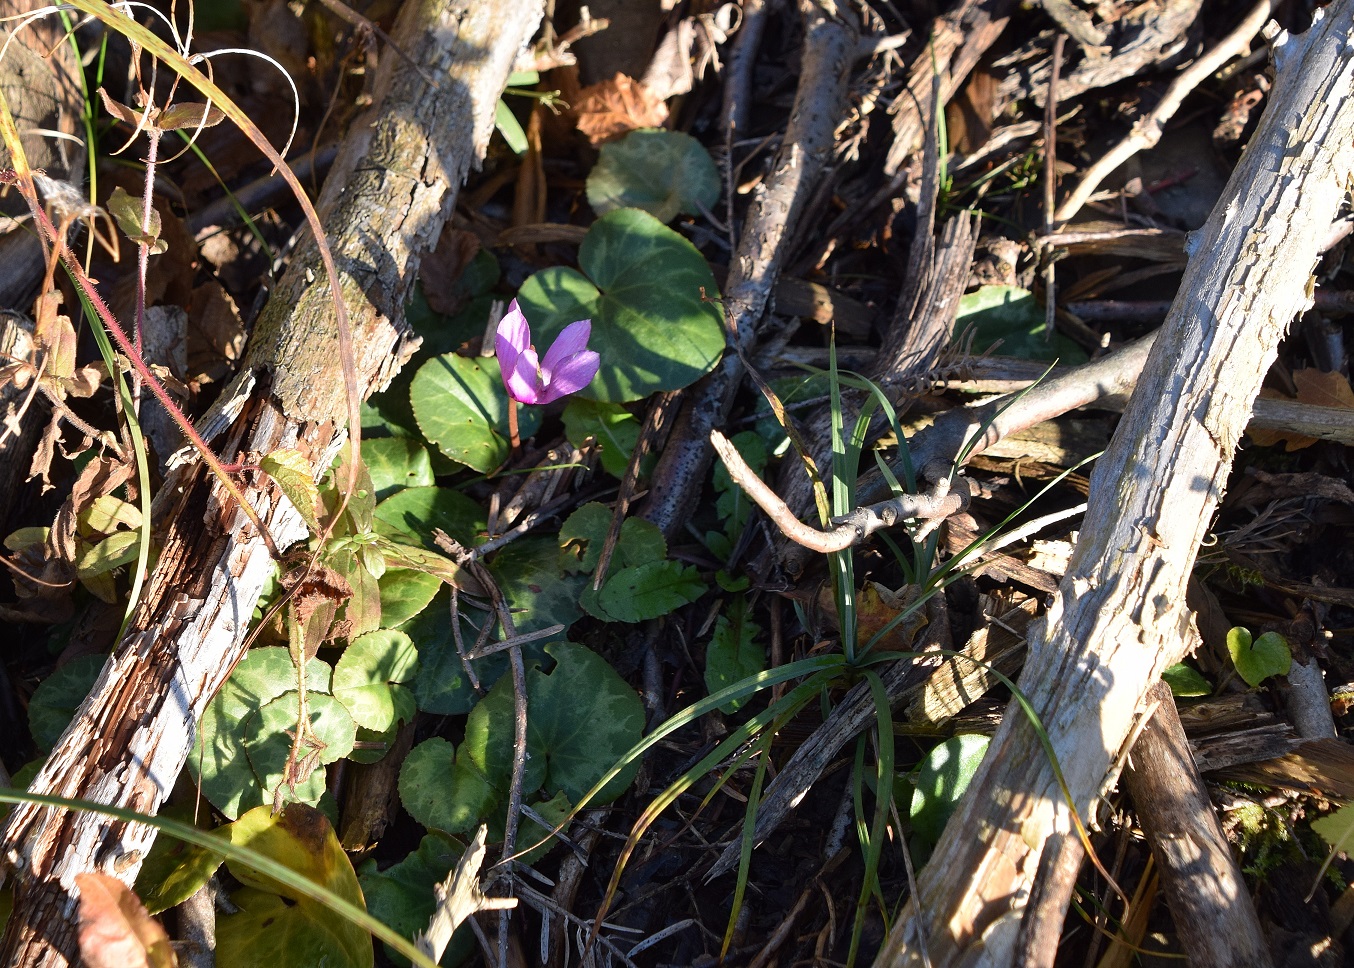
384	205
1204	890
1120	615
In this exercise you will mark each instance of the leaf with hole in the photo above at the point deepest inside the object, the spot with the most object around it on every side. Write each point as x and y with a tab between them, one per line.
274	924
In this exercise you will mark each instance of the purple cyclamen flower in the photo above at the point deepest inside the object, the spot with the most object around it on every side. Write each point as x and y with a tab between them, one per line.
568	366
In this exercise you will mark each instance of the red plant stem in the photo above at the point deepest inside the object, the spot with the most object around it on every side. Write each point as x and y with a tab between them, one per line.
115	330
512	423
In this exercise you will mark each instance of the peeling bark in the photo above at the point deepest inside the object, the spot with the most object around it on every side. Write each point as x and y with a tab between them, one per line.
384	205
1120	615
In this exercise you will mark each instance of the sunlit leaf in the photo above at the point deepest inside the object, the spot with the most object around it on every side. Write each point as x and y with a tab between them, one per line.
652	301
294	477
275	925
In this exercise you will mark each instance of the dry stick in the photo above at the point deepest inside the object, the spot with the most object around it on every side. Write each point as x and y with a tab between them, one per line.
820	103
458	897
1051	185
1037	946
1120	616
1204	890
131	737
958	39
851	529
1147	130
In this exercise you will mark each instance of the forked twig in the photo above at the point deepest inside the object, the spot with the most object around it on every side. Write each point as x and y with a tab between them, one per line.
1147	130
851	529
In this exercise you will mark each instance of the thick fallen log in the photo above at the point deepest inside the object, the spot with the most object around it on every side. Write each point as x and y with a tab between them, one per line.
384	205
1120	615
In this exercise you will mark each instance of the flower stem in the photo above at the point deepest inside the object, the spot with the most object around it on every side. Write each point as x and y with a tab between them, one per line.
512	423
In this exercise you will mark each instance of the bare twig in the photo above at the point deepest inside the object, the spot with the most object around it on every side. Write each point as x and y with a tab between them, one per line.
458	897
1147	130
852	528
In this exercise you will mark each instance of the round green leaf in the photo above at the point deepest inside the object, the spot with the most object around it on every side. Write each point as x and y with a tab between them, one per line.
532	576
942	779
367	677
462	407
396	463
1269	655
405	593
649	294
58	696
443	791
219	760
665	173
267	737
582	718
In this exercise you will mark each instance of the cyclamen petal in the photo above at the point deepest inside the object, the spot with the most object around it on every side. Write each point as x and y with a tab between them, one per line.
573	375
572	339
523	379
514	328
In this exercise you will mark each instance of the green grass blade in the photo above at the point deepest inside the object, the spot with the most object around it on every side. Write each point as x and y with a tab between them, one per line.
265	865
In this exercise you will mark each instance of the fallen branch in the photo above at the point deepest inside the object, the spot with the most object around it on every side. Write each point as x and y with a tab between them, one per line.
1204	891
392	190
820	102
1120	616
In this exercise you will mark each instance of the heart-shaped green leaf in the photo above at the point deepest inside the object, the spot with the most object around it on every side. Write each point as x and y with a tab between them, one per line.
651	298
1256	661
461	406
665	173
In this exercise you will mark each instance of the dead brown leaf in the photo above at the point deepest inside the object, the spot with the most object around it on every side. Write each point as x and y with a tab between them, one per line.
442	269
216	336
115	930
607	110
1315	387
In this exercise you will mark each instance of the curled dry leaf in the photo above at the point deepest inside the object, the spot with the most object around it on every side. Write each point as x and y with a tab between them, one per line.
609	109
115	930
